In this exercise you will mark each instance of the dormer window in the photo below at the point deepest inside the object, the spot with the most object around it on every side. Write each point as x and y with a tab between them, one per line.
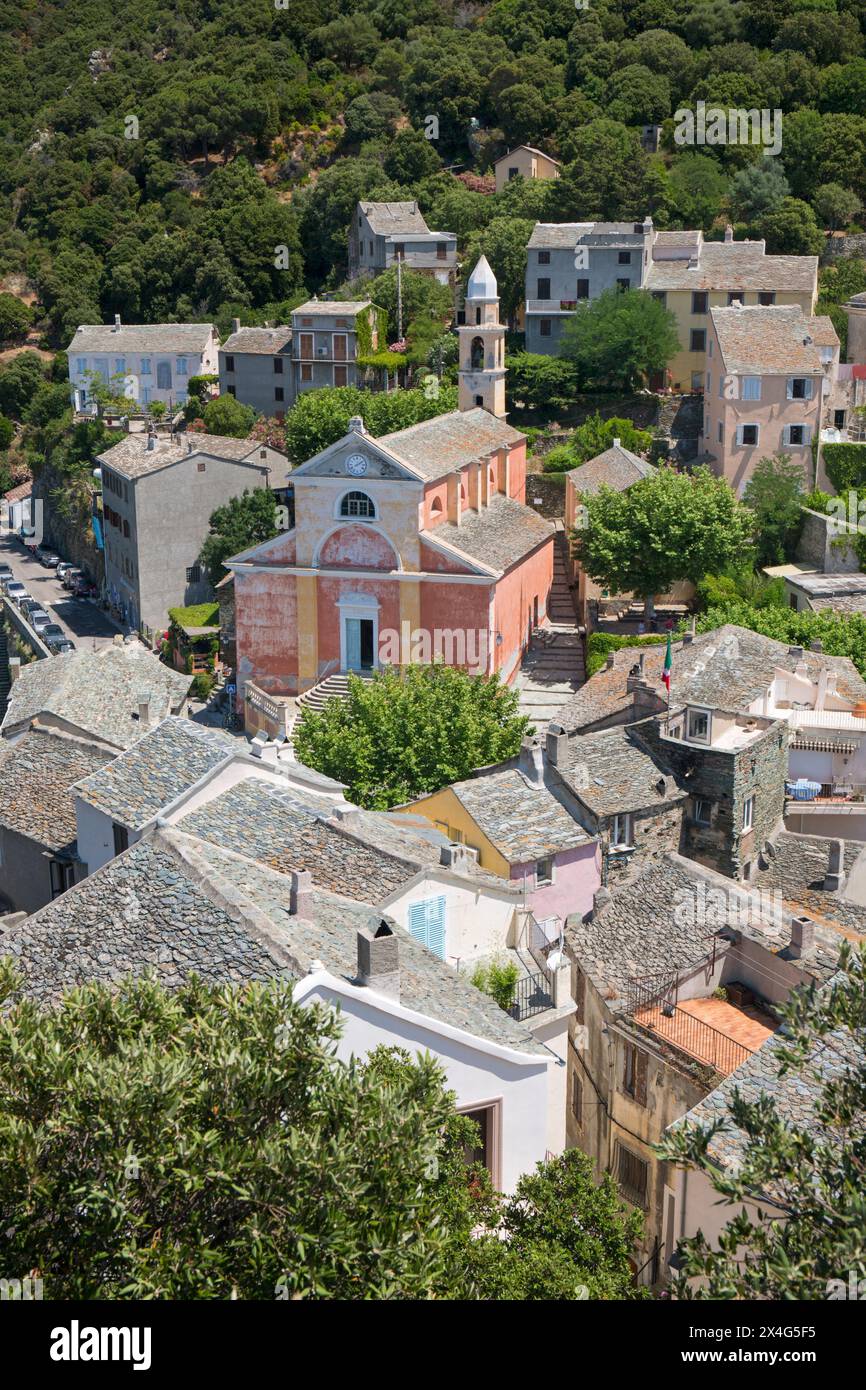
359	506
699	725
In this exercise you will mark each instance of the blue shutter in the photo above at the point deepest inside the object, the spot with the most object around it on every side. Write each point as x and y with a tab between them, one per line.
418	922
427	924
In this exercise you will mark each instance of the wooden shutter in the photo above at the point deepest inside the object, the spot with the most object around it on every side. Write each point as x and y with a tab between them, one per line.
641	1060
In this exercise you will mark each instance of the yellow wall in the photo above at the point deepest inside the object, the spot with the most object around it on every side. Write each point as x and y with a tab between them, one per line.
679	303
448	814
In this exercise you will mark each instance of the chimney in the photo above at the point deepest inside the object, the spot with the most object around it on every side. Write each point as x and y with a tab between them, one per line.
116	328
688	639
356	424
816	645
835	875
729	234
379	958
600	899
802	937
189	444
616	444
557	745
635	676
300	893
151	441
532	762
261	747
454	857
647	699
610	662
453	485
14	664
144	700
236	325
796	653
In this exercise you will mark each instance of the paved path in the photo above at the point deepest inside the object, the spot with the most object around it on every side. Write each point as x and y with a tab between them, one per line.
83	622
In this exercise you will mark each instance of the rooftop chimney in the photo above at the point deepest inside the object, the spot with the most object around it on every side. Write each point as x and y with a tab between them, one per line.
816	645
610	662
151	440
647	699
796	653
357	424
616	444
236	325
455	857
116	328
802	936
729	234
379	958
835	875
14	664
300	892
144	699
688	638
600	899
557	744
532	762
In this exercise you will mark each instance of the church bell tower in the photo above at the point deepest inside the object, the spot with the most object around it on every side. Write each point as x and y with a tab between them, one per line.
482	345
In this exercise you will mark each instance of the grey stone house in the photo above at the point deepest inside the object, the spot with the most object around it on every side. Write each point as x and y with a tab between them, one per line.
255	366
158	494
383	233
571	261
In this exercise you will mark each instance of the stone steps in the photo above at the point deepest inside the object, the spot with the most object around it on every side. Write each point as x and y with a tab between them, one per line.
335	687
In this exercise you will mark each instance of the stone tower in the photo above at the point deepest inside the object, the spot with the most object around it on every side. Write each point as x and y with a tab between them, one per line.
482	345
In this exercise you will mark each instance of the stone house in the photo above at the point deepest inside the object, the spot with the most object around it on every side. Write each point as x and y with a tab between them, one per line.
144	361
381	234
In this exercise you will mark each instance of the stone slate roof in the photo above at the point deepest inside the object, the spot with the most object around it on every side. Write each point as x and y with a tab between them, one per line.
773	341
36	773
823	332
653	926
266	342
448	442
795	1095
533	149
326	308
140	337
155	771
497	536
841	593
736	265
523	822
616	467
796	871
97	692
613	772
132	458
389	219
682	240
730	661
179	906
415	840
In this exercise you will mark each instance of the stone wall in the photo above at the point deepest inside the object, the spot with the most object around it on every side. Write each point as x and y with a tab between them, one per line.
66	524
844	246
545	493
655	832
823	545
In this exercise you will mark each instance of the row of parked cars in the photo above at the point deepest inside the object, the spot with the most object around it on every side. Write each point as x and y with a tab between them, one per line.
51	633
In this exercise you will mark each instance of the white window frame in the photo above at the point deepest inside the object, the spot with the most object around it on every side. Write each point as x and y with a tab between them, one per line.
749	425
340	515
807	382
750	388
702	802
748	814
698	713
621	831
804	442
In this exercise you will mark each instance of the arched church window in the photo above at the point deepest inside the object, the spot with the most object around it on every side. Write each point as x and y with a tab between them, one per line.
477	354
358	505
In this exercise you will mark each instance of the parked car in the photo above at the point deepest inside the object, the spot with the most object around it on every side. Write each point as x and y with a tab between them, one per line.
5	570
47	558
58	648
16	590
6	580
84	589
53	636
29	605
63	566
71	577
39	620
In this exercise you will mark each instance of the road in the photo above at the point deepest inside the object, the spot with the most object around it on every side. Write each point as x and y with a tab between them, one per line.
82	621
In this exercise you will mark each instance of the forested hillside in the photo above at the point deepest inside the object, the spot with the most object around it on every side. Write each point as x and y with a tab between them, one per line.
258	126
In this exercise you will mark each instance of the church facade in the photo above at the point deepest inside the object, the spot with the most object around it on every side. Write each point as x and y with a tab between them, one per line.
412	547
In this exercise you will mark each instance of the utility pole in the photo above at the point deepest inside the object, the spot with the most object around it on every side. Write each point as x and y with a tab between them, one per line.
399	299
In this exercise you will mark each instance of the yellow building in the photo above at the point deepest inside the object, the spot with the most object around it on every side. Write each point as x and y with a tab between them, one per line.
691	277
526	162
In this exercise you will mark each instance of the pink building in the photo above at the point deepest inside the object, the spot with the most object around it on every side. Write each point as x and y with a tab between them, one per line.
768	372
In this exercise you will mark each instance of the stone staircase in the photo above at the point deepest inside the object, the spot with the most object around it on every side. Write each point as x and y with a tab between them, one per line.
554	664
334	687
560	608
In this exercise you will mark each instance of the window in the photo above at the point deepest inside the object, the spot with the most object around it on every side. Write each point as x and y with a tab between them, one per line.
306	345
838	419
193	574
579	995
661	296
544	872
709	382
544	328
583	289
631	1174
577	1101
513	171
748	813
340	375
721	432
306	323
697	340
126	529
279	393
121	838
486	1152
441	251
634	1073
735	297
796	434
748	435
699	725
699	301
145	366
620	832
543	287
181	366
427	924
623	284
399	250
81	365
799	388
306	372
62	877
278	366
201	466
544	258
625	258
750	388
232	390
120	366
357	504
767	297
701	811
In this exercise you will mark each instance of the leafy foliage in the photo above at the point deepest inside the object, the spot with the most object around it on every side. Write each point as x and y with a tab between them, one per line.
407	732
498	978
775	495
319	418
840	634
235	526
620	339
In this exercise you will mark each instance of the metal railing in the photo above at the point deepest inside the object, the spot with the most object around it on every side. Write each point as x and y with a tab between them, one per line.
532	995
701	1040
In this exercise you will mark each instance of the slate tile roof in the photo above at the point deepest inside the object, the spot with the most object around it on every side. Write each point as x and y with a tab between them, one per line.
737	265
268	342
448	442
566	235
386	219
840	593
532	150
613	772
497	536
616	467
731	660
132	458
140	337
774	341
155	771
327	308
97	692
36	773
523	822
180	906
796	870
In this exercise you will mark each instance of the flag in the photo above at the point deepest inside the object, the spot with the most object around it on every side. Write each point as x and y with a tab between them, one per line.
666	669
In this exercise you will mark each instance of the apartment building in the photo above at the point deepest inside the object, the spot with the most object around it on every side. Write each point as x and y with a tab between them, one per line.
381	234
145	362
525	162
764	388
571	261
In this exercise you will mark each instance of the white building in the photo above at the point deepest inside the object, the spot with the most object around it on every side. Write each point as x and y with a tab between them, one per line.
145	362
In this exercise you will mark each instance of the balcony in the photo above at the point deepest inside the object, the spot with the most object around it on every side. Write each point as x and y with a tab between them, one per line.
552	306
721	1031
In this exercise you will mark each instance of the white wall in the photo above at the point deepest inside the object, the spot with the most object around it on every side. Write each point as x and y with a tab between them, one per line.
475	1074
477	921
95	835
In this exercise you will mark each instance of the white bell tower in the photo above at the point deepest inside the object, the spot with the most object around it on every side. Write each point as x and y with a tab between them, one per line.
482	345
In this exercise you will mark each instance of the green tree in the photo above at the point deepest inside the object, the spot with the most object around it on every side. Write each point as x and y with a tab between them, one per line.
775	494
408	732
596	435
225	415
836	206
421	297
667	527
791	230
697	187
604	177
319	418
234	527
503	242
19	381
620	338
15	318
536	381
810	1165
758	189
7	432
